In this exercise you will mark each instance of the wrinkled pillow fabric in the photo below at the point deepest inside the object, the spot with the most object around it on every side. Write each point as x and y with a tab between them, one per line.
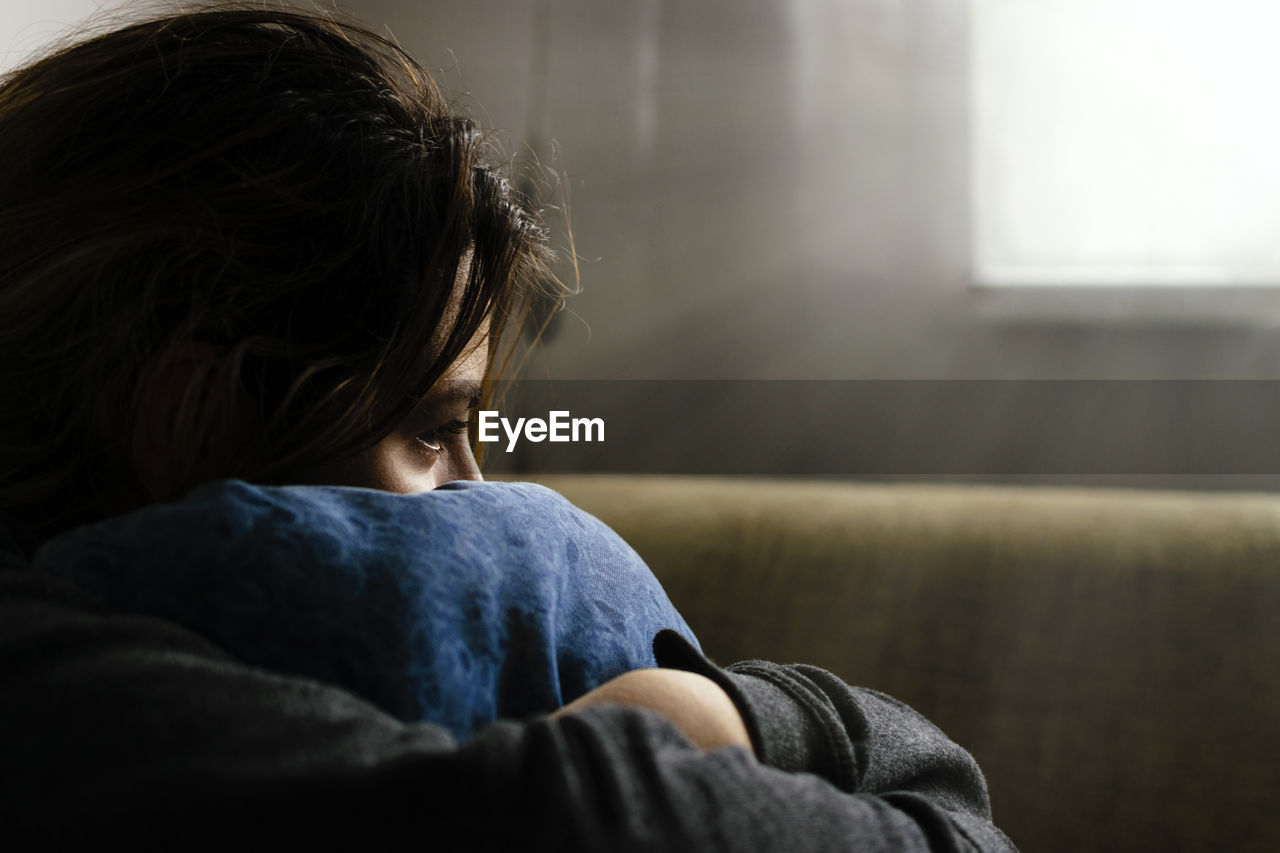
457	606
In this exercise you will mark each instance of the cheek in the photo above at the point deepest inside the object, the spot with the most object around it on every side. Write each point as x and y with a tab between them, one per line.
387	466
400	467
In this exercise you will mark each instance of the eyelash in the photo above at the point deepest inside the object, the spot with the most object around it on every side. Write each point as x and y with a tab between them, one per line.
434	439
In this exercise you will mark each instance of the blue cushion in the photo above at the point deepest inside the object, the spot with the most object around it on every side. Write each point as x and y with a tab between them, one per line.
457	606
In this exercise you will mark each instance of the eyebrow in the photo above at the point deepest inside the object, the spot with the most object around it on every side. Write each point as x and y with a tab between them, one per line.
455	391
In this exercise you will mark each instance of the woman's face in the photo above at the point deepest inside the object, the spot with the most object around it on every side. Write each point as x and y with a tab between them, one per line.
428	448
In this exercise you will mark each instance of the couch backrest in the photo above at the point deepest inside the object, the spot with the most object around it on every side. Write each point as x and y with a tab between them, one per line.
1111	658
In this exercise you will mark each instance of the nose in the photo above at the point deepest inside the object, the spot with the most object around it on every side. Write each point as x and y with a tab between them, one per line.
464	466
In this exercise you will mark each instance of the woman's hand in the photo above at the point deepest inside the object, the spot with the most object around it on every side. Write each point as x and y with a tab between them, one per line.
695	704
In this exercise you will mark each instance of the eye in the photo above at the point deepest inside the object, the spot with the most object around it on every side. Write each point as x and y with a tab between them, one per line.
436	438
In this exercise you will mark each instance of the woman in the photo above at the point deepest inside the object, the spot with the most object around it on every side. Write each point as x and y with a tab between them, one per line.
232	253
255	247
260	246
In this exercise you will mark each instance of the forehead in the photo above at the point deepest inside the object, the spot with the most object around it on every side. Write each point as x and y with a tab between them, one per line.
473	362
454	307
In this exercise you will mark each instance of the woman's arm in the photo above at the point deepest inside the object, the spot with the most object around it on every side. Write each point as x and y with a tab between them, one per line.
802	719
130	729
693	703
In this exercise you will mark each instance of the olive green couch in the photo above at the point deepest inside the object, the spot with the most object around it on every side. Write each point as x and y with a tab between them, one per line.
1111	658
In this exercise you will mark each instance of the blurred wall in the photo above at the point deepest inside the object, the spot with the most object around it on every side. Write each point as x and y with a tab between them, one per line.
778	190
28	29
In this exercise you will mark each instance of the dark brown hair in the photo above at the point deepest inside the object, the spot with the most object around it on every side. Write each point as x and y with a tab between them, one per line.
285	188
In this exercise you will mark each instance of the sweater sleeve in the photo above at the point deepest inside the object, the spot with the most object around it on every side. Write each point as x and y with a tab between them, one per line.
128	731
803	719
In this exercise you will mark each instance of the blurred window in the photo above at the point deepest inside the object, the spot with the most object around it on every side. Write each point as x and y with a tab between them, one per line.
28	29
1125	142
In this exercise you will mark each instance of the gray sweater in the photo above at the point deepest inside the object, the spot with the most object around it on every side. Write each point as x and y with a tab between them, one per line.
131	732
